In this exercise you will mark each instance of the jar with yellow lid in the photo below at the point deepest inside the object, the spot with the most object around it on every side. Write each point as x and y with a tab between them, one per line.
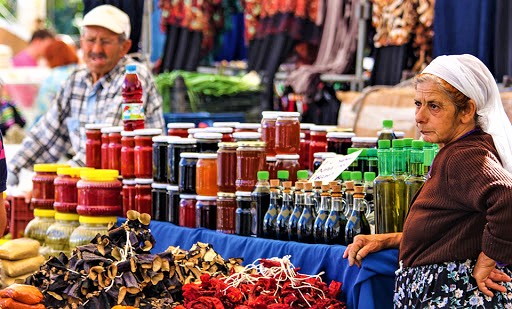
99	193
37	227
57	235
43	191
66	194
88	229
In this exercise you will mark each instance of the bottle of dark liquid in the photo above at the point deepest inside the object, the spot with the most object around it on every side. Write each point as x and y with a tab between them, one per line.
334	230
323	212
284	215
133	110
283	176
261	196
357	223
270	218
307	218
297	211
243	215
384	191
317	193
349	197
387	132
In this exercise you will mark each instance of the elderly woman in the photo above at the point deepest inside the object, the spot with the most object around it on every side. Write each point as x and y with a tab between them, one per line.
457	238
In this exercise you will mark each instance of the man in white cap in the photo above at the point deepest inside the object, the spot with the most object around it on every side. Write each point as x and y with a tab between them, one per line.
92	94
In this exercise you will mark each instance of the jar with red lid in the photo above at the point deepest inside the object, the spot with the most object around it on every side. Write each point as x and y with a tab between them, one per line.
159	201
99	193
173	201
143	203
318	140
247	127
160	160
128	195
208	142
174	149
226	212
93	144
206	212
288	163
179	129
287	133
339	142
268	131
66	193
127	154
250	158
43	188
206	174
187	217
143	152
187	172
227	133
226	167
247	137
271	167
225	124
104	148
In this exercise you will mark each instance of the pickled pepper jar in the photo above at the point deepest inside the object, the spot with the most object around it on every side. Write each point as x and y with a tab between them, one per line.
287	133
127	154
179	129
57	235
250	158
174	149
36	228
143	196
226	167
99	193
206	174
66	193
226	211
93	144
143	152
43	188
89	227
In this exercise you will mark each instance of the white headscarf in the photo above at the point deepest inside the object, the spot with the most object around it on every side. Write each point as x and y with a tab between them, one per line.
471	77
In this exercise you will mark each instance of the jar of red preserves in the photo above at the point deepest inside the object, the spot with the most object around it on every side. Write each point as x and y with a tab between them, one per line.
250	158
66	193
226	211
288	163
174	149
227	133
268	131
43	188
99	193
208	142
247	127
271	167
127	155
104	148
143	203
318	140
206	212
339	142
287	133
93	144
305	141
206	174
187	217
226	167
128	195
143	152
114	148
179	128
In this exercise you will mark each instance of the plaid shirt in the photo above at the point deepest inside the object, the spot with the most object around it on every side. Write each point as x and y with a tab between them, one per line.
62	129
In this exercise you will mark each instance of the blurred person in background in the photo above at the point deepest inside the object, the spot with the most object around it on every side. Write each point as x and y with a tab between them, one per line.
30	55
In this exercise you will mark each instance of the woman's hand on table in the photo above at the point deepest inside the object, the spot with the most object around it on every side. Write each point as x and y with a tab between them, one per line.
488	277
366	244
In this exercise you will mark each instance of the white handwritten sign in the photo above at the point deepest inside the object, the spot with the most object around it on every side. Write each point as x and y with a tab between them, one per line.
331	168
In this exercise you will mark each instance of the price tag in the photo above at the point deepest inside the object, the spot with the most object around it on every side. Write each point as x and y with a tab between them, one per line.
331	168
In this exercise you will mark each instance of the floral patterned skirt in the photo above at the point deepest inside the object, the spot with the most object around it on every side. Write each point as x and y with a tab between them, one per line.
446	285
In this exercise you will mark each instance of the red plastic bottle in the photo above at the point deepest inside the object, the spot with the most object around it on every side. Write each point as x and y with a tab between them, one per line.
133	110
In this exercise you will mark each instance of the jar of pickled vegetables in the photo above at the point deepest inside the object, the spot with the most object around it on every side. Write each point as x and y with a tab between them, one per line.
179	128
58	234
287	133
89	227
226	167
36	228
43	188
143	152
250	158
66	193
99	193
93	144
206	174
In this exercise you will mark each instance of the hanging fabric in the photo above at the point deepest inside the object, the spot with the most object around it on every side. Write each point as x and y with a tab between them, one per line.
502	42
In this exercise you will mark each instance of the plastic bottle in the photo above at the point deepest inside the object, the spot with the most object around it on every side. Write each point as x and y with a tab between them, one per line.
387	132
384	190
357	223
369	177
307	218
416	179
261	196
399	175
133	110
428	157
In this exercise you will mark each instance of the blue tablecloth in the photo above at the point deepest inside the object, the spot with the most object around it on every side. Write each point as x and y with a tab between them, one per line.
370	286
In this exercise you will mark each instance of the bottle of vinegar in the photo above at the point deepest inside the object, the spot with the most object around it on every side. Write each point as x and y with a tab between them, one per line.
270	219
357	223
307	218
284	215
261	196
384	191
416	179
297	211
334	230
323	213
399	175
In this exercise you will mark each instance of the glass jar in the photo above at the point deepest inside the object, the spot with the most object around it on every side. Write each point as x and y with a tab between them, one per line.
226	210
66	193
114	147
268	131
318	141
288	163
143	193
206	212
127	154
244	213
208	142
160	160
206	174
226	167
364	142
104	148
174	150
43	188
187	217
187	172
99	193
36	228
128	195
287	133
319	158
159	200
57	235
339	142
179	129
227	133
250	158
247	127
93	144
89	227
143	152
247	136
271	167
173	200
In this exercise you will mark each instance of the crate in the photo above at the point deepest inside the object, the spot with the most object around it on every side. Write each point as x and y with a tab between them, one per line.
19	215
203	117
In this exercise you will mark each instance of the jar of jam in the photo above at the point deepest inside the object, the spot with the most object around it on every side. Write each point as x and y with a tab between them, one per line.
226	211
159	202
247	136
318	141
174	150
66	193
36	228
160	160
143	203
187	217
250	158
58	234
127	155
244	213
364	142
128	195
227	133
287	133
206	212
104	148
173	200
43	188
93	144
99	193
268	131
226	167
247	127
179	129
206	174
226	124
89	227
320	157
288	163
208	142
271	167
114	147
339	142
187	172
143	152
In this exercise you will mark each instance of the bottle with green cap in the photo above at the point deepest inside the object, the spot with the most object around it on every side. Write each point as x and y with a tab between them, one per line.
407	153
369	178
384	190
282	175
387	132
354	166
302	175
416	179
399	175
428	157
373	162
261	199
357	178
362	160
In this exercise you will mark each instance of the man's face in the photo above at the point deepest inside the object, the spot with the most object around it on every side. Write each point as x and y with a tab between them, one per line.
102	50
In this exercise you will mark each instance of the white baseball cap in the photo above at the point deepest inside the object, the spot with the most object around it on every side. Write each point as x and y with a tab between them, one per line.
109	17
